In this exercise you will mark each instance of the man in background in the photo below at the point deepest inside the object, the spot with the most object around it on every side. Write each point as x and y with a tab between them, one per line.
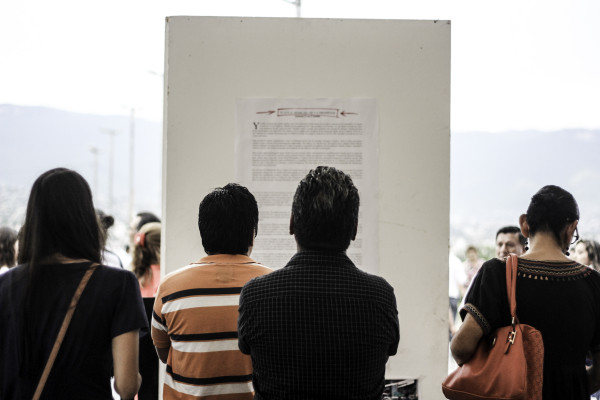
194	323
320	328
509	239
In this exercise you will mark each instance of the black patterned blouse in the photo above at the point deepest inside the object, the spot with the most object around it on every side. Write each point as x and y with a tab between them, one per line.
560	299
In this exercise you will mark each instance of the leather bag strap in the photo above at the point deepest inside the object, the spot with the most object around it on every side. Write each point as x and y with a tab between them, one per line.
511	284
63	331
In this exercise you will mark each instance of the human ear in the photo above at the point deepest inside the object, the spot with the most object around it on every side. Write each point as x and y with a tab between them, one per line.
524	225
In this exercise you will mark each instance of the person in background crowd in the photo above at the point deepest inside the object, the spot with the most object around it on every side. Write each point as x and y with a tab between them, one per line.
194	323
556	295
109	257
60	241
472	264
509	239
320	328
587	252
146	266
8	248
456	288
146	258
142	218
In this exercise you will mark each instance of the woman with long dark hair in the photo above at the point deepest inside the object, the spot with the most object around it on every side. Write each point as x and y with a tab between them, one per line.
60	240
556	295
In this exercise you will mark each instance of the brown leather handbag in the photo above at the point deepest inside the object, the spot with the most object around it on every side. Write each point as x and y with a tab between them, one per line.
508	364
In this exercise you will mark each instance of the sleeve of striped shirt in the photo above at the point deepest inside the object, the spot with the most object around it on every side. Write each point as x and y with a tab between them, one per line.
160	335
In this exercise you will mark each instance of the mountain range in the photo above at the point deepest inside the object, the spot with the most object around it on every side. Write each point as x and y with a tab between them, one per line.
493	175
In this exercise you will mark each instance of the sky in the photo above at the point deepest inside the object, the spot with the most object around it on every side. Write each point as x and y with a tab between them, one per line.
516	64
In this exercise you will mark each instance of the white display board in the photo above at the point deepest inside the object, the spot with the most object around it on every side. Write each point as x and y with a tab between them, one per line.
212	62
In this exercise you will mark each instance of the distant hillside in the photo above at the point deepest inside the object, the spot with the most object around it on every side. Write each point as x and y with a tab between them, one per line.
35	139
493	175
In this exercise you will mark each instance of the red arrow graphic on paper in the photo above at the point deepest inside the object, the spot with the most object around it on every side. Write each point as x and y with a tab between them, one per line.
266	112
344	113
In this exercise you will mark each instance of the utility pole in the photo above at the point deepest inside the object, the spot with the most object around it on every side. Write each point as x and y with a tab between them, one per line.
131	163
298	4
94	150
111	167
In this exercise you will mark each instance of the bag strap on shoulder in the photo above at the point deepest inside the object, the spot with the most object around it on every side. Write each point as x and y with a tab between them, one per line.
511	284
63	330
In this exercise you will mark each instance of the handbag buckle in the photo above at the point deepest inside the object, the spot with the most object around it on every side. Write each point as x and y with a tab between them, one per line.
510	340
511	337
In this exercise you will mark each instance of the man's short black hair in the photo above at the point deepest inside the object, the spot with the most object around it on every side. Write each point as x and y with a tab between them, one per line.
513	229
325	210
228	220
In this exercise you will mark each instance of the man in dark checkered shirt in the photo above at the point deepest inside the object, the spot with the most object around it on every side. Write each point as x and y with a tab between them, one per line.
319	328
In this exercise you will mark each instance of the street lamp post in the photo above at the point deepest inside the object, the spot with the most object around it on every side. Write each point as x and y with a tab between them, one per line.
94	150
111	166
298	4
131	163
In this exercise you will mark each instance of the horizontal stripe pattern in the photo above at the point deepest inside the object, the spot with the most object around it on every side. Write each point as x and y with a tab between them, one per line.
198	308
158	325
208	381
198	302
201	292
205	336
205	347
208	390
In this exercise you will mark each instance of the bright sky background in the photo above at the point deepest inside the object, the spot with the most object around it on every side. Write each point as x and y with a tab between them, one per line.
516	64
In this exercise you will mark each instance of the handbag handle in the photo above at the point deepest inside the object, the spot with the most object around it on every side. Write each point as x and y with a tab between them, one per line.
63	331
511	284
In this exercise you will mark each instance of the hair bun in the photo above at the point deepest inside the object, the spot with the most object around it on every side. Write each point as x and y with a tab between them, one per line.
551	209
108	221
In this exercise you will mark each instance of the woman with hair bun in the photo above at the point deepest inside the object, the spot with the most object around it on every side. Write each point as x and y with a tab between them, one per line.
556	295
146	258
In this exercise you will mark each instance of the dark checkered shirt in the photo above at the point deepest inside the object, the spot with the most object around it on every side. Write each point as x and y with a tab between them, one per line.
319	328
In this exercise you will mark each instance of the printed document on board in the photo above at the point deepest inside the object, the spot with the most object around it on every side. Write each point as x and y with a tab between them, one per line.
278	141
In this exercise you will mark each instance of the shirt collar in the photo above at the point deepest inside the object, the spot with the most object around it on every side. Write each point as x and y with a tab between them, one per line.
333	258
227	259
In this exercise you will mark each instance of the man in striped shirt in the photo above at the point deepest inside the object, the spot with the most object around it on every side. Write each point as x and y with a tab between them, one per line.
194	321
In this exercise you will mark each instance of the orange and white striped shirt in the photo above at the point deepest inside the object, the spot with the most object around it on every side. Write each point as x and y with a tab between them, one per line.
195	314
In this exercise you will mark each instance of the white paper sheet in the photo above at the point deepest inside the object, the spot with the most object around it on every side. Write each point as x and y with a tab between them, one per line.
278	141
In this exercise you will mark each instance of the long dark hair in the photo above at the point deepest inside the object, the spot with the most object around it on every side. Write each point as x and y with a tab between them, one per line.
60	220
